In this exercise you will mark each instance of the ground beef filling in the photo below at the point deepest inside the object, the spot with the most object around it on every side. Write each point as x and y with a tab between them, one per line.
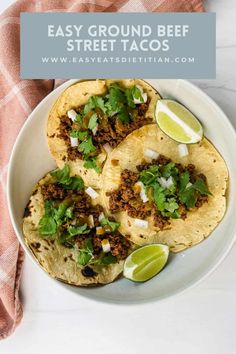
110	132
82	210
127	197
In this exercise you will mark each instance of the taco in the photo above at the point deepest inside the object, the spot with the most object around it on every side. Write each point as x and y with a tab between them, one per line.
159	196
65	228
90	118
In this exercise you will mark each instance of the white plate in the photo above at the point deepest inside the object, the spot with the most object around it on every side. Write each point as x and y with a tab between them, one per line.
31	160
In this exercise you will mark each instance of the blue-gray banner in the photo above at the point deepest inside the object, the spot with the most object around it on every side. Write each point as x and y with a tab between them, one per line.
121	45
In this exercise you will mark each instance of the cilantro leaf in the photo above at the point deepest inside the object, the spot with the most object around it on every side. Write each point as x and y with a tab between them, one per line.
188	197
123	115
86	147
169	169
117	102
130	98
53	217
79	119
82	135
116	97
201	186
93	121
86	253
159	196
91	162
131	93
107	259
76	183
171	205
69	212
59	213
95	102
184	180
113	225
78	230
83	258
150	175
74	133
47	226
63	178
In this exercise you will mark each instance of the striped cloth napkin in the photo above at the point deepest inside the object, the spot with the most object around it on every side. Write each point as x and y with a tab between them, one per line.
17	99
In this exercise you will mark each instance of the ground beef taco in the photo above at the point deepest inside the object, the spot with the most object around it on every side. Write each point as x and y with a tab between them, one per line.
159	196
65	228
90	118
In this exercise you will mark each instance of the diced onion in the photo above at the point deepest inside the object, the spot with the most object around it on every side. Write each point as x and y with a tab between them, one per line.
101	216
94	130
100	230
73	141
91	221
72	114
106	247
183	150
91	192
141	223
142	193
151	154
169	182
165	183
107	148
162	182
143	94
189	185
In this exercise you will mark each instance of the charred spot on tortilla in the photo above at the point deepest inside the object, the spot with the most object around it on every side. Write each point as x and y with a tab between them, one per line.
115	162
27	211
88	272
72	236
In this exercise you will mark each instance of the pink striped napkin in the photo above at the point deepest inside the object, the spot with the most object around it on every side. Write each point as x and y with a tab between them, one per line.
17	99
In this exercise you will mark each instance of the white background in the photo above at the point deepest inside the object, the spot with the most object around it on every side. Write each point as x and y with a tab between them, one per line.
200	321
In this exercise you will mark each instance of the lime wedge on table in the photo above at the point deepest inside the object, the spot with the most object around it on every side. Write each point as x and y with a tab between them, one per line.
178	122
145	262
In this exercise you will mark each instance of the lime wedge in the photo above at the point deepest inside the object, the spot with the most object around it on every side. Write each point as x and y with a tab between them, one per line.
145	262
178	122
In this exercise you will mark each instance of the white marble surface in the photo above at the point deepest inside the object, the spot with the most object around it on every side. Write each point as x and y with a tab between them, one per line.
200	321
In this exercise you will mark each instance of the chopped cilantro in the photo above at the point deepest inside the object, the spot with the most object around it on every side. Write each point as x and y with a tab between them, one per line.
123	115
113	225
167	200
47	226
78	230
106	259
116	97
79	119
93	121
150	175
86	253
188	197
91	162
53	217
95	102
63	178
117	102
74	133
184	180
83	135
201	186
86	147
131	93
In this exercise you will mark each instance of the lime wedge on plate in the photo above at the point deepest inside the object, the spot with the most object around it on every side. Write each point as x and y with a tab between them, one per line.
178	122
145	262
